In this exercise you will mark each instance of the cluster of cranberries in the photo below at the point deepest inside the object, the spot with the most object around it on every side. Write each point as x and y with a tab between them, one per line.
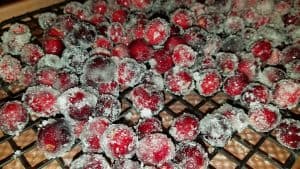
250	50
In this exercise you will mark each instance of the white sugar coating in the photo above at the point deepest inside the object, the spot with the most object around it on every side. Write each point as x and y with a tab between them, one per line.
154	122
146	113
250	36
259	120
176	133
295	33
233	24
293	69
264	7
173	76
36	90
276	36
237	117
126	164
153	78
108	106
29	50
224	58
162	28
73	80
263	76
115	32
184	160
10	68
286	93
199	79
185	57
17	154
130	72
50	60
64	103
283	130
213	45
73	59
46	20
108	138
248	95
92	160
152	145
216	129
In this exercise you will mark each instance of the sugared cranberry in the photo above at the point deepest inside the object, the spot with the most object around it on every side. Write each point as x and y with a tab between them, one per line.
291	53
227	62
256	93
141	4
77	104
184	55
13	117
234	24
288	133
262	49
55	138
271	75
182	18
10	68
118	141
172	42
102	42
108	106
73	59
92	133
90	161
116	32
46	20
120	51
65	80
148	126
52	45
119	15
155	149
147	100
195	37
140	50
208	82
125	3
264	118
234	85
31	53
293	69
162	61
27	76
179	81
46	76
157	31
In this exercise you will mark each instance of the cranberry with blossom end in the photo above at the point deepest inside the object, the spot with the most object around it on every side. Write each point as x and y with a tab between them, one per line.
208	82
191	155
262	49
185	128
184	56
91	134
140	50
41	101
288	133
147	100
234	85
264	118
157	31
13	117
10	68
118	142
155	149
148	126
286	93
108	106
55	138
179	81
256	93
31	53
182	18
90	161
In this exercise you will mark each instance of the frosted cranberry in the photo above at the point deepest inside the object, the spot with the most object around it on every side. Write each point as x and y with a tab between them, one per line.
184	55
108	106
120	51
31	53
286	93
163	61
109	88
185	127
13	117
215	129
195	37
55	138
27	76
65	80
264	118
182	18
137	30
155	149
256	93
73	59
172	42
77	9
118	141
77	104
206	22
191	155
293	69
291	53
213	45
237	117
234	85
10	68
116	32
207	62
140	50
271	75
157	31
78	127
130	72
148	126
98	69
96	19
288	133
92	133
46	76
262	49
90	161
155	79
46	20
99	7
234	24
102	42
282	7
227	62
179	81
119	15
126	164
53	45
41	101
64	24
125	3
55	31
208	82
141	4
147	100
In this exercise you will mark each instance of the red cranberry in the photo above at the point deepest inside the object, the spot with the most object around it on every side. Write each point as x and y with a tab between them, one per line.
13	117
234	85
125	3
73	59
141	4
163	61
227	62
288	133
90	161
97	19
184	55
27	76
108	106
182	18
255	93
31	53
262	49
157	31
102	42
271	75
150	152
172	42
118	141
52	45
208	82
55	138
140	50
119	15
185	127
148	126
10	68
120	51
116	32
47	76
291	53
65	80
99	7
264	118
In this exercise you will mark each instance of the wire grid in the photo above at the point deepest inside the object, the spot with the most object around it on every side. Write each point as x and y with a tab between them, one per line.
247	149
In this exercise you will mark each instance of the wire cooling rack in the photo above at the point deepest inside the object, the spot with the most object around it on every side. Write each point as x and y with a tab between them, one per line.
247	149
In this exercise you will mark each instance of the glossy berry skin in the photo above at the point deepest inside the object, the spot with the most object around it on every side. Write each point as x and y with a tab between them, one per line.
52	45
140	50
288	133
